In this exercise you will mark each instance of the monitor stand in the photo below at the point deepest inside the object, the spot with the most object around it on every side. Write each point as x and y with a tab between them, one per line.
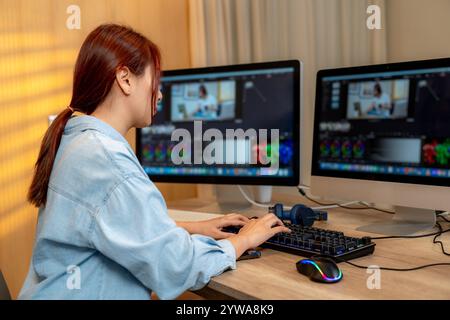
263	194
229	199
406	221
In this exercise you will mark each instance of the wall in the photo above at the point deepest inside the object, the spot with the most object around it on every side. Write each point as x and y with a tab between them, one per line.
37	55
418	29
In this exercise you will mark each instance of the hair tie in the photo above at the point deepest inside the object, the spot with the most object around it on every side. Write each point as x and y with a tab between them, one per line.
71	109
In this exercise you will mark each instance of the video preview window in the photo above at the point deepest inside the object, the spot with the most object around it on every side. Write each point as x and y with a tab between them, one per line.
387	99
206	101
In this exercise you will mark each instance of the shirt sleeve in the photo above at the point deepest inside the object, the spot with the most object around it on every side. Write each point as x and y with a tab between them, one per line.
134	230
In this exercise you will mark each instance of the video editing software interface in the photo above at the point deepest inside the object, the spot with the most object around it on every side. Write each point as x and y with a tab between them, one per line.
393	123
257	99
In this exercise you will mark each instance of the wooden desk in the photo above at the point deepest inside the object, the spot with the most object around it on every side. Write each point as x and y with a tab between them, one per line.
274	276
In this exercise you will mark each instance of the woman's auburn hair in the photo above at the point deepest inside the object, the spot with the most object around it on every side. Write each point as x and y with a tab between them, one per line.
106	49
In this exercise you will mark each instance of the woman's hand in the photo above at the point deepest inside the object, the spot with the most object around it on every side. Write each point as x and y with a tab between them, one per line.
213	227
256	232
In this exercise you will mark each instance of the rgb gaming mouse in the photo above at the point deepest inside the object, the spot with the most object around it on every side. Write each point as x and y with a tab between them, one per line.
320	269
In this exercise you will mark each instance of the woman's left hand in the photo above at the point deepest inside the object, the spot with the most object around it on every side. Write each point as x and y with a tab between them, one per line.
213	227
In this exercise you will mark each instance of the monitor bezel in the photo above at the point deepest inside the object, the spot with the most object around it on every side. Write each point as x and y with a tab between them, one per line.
263	180
388	67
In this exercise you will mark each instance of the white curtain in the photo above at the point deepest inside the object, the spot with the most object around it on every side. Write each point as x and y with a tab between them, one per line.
321	33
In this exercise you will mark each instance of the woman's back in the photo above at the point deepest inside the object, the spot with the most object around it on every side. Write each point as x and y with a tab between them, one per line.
105	225
87	167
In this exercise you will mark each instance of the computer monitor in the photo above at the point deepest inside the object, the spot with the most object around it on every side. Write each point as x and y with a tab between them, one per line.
382	135
224	112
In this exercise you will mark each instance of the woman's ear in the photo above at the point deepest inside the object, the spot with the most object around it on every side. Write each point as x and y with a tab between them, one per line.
123	77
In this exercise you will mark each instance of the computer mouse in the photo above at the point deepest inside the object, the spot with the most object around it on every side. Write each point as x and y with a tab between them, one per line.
320	269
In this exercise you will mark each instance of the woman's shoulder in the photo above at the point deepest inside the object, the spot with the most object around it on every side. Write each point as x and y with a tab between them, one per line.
91	164
118	154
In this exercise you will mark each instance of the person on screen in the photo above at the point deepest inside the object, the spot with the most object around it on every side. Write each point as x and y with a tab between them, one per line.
207	104
381	105
103	228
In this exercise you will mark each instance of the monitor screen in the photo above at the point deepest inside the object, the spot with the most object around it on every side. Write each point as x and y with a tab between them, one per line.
385	122
232	124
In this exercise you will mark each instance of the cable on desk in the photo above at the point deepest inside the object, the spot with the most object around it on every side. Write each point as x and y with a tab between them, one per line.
385	268
435	234
244	194
443	218
438	235
323	206
344	206
266	206
416	236
332	206
399	269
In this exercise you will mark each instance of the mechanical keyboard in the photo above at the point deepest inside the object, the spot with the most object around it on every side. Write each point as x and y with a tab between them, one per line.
309	241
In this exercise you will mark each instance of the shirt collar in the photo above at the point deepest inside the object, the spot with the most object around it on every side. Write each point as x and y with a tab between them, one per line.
86	122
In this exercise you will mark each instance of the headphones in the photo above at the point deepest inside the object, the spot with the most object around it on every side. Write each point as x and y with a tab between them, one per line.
299	214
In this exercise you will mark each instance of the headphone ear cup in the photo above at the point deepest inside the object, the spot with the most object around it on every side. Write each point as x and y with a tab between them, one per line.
302	215
296	215
277	209
308	217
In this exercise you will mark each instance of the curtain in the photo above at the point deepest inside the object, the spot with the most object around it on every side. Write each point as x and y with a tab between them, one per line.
321	33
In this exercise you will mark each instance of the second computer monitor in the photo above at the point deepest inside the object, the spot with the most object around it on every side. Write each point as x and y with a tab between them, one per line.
382	134
225	112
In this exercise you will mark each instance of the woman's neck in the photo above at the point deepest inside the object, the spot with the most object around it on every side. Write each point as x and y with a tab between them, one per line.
110	112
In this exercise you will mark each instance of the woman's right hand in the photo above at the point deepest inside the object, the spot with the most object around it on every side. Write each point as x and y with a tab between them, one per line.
257	231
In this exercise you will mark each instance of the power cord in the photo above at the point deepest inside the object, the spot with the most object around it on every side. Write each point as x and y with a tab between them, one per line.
438	233
244	194
337	259
436	236
344	206
266	206
396	269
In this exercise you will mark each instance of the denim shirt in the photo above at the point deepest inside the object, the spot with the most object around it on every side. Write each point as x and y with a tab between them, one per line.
104	232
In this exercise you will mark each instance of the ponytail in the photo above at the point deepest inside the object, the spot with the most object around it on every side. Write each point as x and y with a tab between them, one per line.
37	193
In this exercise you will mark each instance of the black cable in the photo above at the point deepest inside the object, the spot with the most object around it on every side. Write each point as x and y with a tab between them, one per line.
435	234
303	193
444	218
383	268
438	233
400	269
439	241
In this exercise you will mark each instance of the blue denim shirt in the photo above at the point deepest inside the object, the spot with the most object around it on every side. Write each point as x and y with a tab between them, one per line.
105	233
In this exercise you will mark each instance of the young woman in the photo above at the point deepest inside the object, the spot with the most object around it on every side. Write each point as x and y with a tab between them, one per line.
103	231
